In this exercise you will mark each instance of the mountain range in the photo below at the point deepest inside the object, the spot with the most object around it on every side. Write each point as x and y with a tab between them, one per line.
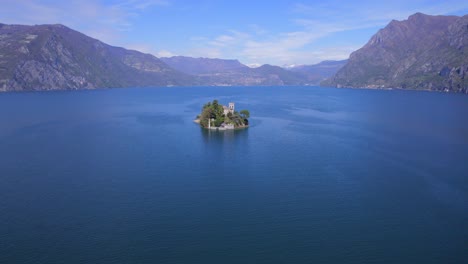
422	52
50	57
319	72
55	57
222	72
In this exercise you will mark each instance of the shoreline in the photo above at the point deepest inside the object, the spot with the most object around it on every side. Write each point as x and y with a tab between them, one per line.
4	91
219	129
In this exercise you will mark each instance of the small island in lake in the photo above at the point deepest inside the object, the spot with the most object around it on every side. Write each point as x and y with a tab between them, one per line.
220	117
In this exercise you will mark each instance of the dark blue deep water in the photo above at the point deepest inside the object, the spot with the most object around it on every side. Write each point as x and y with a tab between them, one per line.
321	176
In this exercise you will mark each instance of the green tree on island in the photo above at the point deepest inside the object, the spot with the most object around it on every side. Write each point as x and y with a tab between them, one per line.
245	114
215	115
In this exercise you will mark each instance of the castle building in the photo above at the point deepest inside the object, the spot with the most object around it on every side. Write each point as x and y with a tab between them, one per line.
228	109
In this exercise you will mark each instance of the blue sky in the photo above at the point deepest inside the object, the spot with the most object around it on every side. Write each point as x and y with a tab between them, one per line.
255	32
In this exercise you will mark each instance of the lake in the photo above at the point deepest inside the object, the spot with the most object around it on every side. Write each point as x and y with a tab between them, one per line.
321	175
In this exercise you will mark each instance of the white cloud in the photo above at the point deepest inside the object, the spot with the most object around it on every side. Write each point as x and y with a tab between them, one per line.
314	22
222	40
141	47
206	52
232	37
299	42
106	22
142	4
280	48
254	65
369	13
146	48
164	53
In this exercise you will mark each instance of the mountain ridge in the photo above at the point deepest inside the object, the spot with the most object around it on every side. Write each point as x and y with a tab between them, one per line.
423	52
315	73
195	66
226	72
55	57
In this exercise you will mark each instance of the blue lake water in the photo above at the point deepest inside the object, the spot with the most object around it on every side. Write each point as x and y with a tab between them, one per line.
321	176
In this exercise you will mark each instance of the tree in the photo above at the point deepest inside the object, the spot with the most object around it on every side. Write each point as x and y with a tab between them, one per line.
214	112
206	114
237	120
206	105
215	104
218	121
245	114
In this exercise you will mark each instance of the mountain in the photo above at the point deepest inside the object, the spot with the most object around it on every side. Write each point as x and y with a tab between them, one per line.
318	72
195	66
55	57
263	75
49	57
422	52
285	77
221	72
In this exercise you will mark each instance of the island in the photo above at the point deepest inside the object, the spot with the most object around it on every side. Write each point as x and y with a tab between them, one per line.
220	117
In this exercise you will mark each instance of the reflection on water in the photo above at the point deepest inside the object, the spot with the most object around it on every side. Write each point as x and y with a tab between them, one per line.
225	146
225	136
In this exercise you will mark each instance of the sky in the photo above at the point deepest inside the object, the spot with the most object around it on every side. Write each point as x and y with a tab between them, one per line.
254	32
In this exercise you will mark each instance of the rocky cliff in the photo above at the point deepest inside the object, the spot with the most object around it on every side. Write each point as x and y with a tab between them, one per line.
422	52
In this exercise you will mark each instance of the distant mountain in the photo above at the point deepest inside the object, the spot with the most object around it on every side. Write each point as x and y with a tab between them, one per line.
47	57
55	57
423	52
222	72
318	72
195	66
276	73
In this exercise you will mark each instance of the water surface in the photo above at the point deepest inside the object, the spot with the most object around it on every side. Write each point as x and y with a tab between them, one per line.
321	176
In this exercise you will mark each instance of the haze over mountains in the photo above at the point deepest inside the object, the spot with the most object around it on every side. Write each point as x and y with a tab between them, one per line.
232	72
200	66
423	52
319	72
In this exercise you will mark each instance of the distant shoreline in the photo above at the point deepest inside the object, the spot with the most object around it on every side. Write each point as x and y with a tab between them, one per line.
209	86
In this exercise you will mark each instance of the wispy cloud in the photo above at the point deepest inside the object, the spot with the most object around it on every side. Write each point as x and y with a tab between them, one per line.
142	4
278	48
109	22
281	48
150	49
369	13
309	32
231	38
313	23
97	19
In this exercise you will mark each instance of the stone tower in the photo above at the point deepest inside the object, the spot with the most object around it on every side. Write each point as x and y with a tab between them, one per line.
231	107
